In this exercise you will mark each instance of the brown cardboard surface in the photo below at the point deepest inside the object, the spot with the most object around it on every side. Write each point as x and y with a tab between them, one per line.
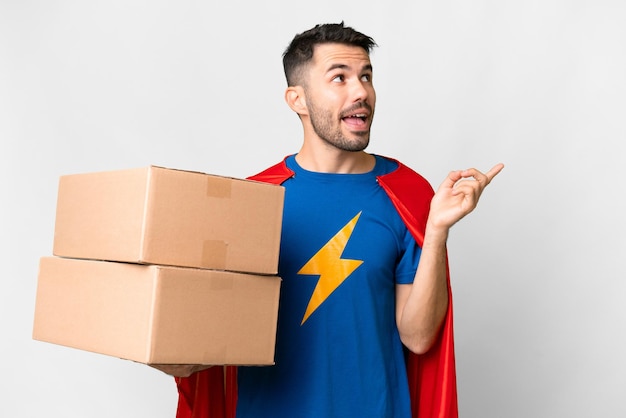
162	216
156	314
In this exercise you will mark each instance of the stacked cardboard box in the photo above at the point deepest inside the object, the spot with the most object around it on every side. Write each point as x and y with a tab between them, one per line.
163	266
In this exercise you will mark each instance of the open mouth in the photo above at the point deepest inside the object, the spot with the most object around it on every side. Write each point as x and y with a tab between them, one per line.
361	116
356	120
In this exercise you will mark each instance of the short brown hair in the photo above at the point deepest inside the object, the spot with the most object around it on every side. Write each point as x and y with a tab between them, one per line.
300	50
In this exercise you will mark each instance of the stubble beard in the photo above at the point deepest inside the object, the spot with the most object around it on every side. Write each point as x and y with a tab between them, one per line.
322	123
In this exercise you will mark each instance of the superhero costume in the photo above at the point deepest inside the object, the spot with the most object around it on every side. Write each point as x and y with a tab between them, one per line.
343	251
212	393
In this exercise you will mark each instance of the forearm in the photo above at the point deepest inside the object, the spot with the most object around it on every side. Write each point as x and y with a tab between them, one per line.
423	305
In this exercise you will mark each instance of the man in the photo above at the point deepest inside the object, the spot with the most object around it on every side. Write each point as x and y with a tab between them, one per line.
363	261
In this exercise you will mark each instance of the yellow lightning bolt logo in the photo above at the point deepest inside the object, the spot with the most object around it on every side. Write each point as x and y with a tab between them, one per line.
332	269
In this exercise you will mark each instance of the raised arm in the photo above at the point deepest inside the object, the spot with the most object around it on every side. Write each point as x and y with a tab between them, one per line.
421	306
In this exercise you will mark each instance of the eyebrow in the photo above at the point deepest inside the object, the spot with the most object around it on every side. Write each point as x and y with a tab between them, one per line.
367	67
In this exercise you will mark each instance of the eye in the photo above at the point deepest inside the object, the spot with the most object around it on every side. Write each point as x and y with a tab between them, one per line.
338	78
366	77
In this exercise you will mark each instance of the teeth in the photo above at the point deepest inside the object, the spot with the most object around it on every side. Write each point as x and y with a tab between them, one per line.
362	116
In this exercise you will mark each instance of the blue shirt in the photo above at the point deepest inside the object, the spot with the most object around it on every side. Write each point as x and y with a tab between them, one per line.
338	353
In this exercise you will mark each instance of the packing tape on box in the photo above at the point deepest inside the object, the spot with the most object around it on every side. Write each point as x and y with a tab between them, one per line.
219	187
214	253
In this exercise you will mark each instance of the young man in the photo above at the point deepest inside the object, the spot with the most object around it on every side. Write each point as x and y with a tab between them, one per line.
363	262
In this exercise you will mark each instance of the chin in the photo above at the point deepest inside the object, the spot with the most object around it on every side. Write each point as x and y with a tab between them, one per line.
355	147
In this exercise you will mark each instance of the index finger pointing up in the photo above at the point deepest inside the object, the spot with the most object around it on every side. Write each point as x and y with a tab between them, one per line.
494	171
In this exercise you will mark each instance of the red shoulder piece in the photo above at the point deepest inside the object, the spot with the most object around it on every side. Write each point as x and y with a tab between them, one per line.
432	376
276	174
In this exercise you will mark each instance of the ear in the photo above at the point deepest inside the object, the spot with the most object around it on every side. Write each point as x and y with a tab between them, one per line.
296	99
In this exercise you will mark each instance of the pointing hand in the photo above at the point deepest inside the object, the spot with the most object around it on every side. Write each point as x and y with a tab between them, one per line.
458	195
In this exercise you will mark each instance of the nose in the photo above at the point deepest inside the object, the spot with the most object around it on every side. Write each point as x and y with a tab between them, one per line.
360	90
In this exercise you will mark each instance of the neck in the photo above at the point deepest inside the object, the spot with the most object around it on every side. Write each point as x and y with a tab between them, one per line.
332	160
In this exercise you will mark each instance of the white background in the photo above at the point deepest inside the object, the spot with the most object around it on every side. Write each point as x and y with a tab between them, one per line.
538	270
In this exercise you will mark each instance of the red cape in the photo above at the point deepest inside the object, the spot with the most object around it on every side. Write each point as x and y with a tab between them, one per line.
212	393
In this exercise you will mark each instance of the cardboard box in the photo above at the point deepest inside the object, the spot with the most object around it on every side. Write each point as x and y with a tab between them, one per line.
156	314
156	215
